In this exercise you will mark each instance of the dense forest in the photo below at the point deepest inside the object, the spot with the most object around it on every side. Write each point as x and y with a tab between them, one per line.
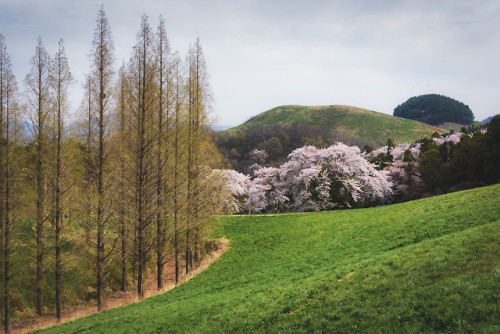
470	161
105	206
435	109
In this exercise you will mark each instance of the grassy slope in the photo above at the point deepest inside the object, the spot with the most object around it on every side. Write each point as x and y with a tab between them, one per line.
423	266
370	125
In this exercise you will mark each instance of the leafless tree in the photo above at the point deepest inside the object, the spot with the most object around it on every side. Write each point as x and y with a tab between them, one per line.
38	86
102	59
61	79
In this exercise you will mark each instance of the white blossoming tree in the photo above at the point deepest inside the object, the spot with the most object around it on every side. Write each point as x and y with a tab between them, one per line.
266	191
318	179
235	198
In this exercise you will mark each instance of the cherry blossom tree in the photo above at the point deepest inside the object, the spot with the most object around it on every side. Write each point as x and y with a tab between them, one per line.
266	192
454	138
237	186
314	179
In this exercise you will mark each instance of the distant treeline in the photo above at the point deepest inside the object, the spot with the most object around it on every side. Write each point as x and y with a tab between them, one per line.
473	161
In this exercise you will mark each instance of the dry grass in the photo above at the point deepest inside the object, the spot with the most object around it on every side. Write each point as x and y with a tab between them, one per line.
119	299
347	276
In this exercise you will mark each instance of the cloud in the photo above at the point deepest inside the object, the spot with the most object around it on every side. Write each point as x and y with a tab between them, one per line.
260	54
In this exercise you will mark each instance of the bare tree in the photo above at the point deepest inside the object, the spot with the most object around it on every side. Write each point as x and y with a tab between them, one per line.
61	79
88	109
199	99
101	79
177	182
142	143
5	69
38	83
8	121
162	149
122	132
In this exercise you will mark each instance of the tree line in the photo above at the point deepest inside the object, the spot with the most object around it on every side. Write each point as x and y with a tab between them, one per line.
472	160
89	210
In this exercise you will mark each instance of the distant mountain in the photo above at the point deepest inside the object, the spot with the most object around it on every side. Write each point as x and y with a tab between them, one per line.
218	128
27	128
361	125
487	120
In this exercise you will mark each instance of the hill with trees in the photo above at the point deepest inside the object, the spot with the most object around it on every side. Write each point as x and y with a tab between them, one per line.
280	130
435	109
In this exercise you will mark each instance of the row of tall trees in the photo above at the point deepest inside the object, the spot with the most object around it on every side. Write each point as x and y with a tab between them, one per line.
124	192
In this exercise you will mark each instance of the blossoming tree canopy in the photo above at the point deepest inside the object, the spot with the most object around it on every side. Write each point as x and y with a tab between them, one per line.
317	179
237	186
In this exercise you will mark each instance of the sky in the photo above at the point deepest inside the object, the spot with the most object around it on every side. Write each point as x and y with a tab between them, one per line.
260	54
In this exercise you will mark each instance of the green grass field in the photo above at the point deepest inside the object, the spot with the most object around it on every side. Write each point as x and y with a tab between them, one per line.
349	121
431	265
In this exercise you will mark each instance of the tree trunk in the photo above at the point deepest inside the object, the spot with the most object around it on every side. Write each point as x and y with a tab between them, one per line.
40	209
6	292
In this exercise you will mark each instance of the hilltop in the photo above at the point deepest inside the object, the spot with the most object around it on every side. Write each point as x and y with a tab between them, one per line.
346	121
426	266
283	129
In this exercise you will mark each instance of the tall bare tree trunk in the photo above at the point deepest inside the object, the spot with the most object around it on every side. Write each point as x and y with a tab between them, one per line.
62	77
4	69
89	163
162	52
178	103
122	176
102	58
198	102
143	140
8	88
38	85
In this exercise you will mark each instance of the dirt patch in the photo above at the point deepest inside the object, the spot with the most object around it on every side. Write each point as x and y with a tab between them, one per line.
347	276
128	297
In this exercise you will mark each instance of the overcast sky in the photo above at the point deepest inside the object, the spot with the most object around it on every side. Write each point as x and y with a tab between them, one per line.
260	54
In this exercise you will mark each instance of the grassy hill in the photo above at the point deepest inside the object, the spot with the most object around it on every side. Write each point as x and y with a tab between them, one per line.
431	265
348	121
